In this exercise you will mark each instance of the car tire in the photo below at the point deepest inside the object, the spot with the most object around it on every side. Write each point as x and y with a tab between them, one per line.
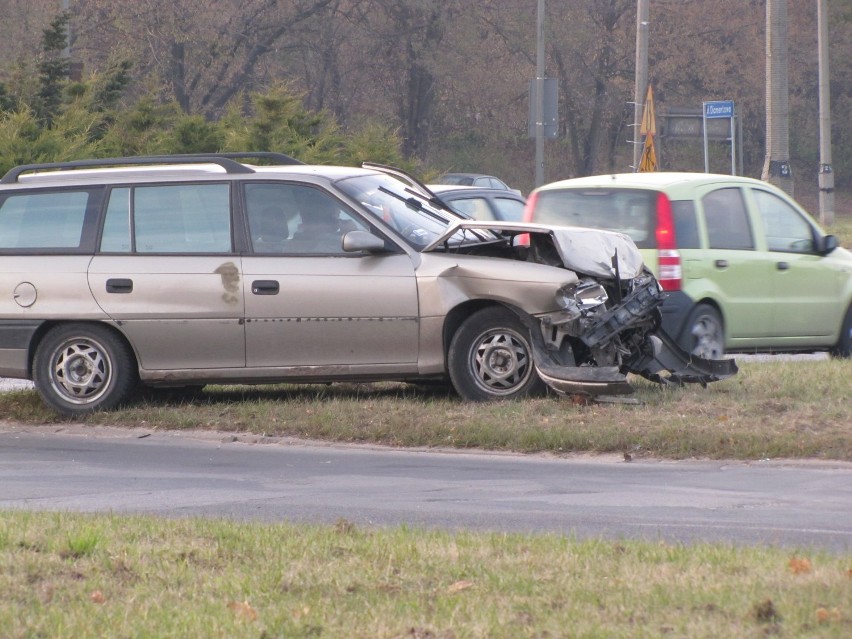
83	368
491	358
843	348
704	333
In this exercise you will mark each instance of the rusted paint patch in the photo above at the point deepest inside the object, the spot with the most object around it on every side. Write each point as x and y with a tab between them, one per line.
230	275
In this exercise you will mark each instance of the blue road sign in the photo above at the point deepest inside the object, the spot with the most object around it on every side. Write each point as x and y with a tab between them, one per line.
719	109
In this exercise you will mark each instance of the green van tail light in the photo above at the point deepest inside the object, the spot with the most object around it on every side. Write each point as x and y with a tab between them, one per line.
529	208
669	268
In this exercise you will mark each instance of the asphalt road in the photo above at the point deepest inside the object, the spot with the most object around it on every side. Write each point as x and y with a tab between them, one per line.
93	469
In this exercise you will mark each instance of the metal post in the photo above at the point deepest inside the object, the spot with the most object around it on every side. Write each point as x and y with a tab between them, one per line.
641	86
826	174
539	98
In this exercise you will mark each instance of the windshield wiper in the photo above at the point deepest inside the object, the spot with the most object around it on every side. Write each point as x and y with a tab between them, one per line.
414	204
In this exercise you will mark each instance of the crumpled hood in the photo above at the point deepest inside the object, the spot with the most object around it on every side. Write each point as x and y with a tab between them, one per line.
584	250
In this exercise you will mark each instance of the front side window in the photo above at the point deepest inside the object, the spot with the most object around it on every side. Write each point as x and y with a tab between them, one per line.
411	214
727	220
176	218
297	219
786	230
44	220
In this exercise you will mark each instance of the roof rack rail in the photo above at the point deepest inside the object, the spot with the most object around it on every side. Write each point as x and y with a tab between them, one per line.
278	158
225	160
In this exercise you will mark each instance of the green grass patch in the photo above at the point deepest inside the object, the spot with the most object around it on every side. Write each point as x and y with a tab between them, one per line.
210	578
779	409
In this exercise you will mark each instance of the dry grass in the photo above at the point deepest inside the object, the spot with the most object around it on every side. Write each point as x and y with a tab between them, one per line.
774	409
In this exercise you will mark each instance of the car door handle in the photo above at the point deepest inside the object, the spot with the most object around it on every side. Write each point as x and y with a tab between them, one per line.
121	285
265	287
721	263
782	266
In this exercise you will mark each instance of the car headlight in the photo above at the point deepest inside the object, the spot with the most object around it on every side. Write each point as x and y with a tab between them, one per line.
582	296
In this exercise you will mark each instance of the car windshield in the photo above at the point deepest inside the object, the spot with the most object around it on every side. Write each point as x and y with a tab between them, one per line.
392	201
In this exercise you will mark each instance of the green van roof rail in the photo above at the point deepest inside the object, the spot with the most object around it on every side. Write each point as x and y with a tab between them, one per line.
226	160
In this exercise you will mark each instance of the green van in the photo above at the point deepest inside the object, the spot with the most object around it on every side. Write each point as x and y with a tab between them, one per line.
745	267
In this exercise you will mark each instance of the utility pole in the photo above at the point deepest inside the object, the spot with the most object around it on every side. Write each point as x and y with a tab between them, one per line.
539	101
826	173
641	72
776	168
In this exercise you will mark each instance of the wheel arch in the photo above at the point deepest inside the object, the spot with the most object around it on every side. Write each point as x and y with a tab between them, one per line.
706	301
49	325
456	317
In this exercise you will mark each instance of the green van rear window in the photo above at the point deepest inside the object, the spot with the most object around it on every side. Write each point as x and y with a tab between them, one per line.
632	212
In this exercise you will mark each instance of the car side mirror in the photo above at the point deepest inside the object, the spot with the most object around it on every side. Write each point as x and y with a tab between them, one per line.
356	241
827	244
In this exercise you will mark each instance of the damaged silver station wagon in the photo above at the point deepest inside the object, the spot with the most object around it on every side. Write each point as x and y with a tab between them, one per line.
181	271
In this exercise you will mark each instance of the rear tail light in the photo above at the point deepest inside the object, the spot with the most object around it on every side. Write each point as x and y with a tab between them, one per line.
669	267
529	209
530	206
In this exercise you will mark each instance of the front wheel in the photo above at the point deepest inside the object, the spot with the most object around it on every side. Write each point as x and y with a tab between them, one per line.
81	368
843	348
704	333
491	358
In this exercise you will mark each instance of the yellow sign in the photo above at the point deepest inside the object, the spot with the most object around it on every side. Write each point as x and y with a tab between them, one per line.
649	120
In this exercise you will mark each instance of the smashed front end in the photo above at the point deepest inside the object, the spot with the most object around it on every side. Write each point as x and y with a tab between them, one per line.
605	332
608	324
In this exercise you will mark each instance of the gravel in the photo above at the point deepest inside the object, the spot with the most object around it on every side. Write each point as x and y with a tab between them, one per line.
14	384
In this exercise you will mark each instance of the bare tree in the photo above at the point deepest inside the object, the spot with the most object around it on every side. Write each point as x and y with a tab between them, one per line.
204	51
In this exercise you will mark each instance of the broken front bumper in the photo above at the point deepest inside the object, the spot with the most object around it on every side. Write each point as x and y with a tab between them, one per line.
663	361
657	357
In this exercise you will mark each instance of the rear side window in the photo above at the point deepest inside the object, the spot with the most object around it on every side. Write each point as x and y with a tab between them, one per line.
474	207
510	210
727	220
48	221
686	224
628	211
176	218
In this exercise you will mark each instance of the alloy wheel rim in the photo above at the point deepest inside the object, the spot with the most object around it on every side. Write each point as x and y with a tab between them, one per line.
80	371
501	362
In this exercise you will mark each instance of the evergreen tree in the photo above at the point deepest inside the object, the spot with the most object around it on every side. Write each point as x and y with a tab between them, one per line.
54	69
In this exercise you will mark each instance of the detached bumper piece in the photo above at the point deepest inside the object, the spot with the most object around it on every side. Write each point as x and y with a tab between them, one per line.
595	381
667	363
654	355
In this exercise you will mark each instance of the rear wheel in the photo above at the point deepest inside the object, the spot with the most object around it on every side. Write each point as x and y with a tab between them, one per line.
82	368
491	357
843	348
704	333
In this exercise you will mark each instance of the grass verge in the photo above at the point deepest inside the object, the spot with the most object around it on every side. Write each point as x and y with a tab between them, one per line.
74	575
783	409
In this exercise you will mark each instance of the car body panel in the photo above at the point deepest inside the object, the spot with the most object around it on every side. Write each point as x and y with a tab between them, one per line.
331	311
40	289
181	312
574	244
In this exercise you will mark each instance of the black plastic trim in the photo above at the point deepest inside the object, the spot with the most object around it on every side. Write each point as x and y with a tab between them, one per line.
17	334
